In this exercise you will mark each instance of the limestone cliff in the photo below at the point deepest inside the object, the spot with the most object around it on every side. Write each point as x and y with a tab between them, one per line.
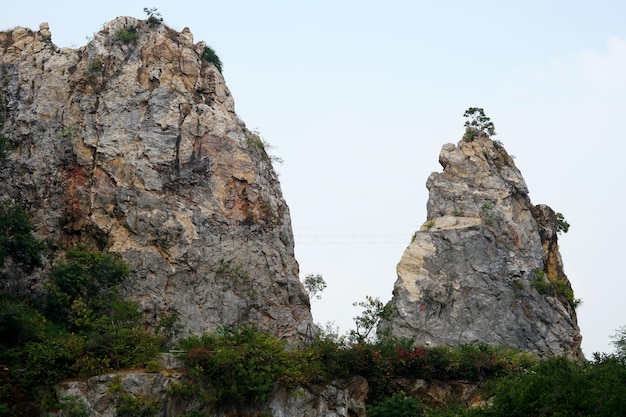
131	144
485	266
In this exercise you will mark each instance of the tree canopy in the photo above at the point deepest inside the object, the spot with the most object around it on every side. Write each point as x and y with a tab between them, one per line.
16	238
478	124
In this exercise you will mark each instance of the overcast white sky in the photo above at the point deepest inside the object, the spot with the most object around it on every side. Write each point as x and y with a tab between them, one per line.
359	96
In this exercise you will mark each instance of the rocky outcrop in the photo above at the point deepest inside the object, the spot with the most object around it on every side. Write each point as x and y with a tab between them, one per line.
100	397
131	144
485	266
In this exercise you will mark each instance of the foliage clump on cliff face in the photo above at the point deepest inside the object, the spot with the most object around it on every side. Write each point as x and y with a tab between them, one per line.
209	55
80	327
242	365
16	238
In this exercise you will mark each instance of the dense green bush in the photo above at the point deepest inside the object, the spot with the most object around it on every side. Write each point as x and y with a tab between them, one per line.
558	288
16	238
209	55
560	387
154	17
84	328
126	35
72	407
83	286
20	322
398	405
237	365
130	406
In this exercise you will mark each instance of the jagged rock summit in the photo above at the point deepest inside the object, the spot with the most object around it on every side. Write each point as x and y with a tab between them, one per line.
131	144
485	266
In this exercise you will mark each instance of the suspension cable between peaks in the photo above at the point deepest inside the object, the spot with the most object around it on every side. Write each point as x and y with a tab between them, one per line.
351	239
355	235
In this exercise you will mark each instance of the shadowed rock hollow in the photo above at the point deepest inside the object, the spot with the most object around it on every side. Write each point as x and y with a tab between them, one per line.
133	146
485	267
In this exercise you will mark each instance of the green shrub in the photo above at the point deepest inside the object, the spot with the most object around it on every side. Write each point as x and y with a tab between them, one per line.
209	55
541	284
560	288
478	124
16	238
72	407
83	285
154	17
126	35
556	387
458	210
47	362
20	323
398	405
130	406
561	224
236	365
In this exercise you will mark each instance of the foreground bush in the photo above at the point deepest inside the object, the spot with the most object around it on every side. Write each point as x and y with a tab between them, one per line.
84	328
398	405
236	366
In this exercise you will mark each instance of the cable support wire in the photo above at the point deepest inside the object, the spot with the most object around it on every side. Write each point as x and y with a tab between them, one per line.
390	239
354	235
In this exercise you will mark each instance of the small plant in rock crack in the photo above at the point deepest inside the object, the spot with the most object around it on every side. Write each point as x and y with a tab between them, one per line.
458	210
486	212
126	35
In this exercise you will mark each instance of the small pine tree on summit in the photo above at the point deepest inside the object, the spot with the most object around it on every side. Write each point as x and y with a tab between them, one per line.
477	124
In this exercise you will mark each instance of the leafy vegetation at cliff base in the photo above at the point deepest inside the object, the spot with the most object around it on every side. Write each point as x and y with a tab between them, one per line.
243	365
16	238
81	327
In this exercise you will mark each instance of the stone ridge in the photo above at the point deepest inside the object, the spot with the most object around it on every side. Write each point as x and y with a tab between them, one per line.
471	272
134	147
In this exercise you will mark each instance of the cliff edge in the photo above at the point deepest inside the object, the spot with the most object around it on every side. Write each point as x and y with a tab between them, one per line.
131	144
485	266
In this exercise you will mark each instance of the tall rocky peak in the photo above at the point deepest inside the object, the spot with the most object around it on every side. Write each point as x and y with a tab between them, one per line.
133	146
485	266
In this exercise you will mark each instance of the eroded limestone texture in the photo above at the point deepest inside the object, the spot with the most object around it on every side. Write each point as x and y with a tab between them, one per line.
135	148
469	275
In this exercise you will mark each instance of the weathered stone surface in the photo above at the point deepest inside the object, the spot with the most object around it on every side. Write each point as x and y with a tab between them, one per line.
135	148
468	274
339	398
435	393
100	400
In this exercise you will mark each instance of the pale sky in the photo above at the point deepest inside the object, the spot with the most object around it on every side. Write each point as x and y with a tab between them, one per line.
358	97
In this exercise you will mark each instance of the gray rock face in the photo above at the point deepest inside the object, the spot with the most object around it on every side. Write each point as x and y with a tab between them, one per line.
485	267
135	148
340	398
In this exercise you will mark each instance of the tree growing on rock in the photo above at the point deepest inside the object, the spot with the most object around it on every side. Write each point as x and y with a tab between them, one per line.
478	124
374	312
16	238
314	285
